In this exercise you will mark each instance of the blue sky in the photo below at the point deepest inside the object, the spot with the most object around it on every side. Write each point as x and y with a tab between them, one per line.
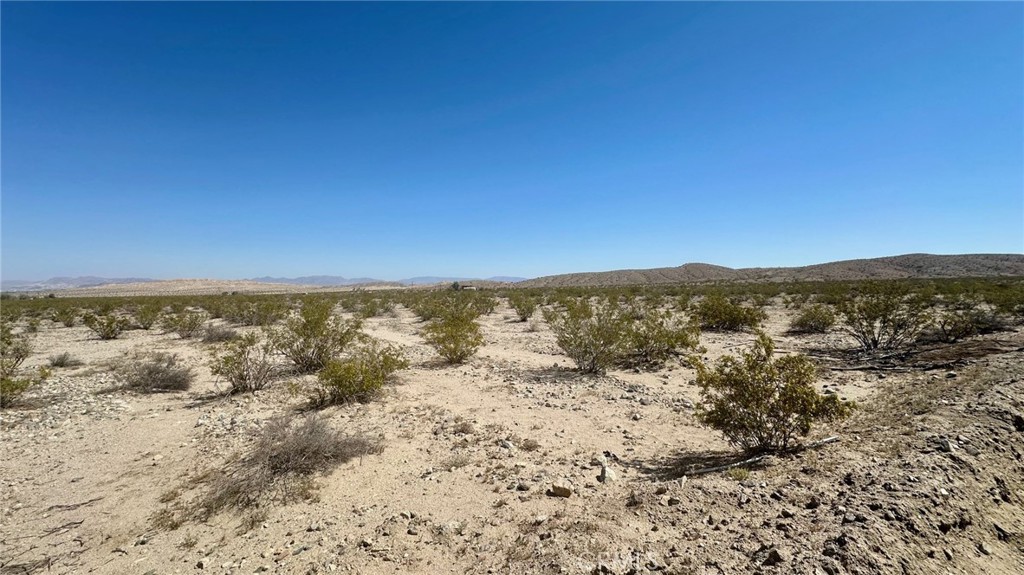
231	140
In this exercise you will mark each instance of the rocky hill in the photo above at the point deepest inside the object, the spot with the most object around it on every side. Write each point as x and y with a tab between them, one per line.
895	267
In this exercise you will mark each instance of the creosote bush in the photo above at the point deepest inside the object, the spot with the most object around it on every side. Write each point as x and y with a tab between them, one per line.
155	373
14	350
246	363
816	318
454	333
885	316
65	315
761	403
147	314
524	305
716	312
314	336
107	326
261	311
358	377
186	324
653	336
965	317
590	334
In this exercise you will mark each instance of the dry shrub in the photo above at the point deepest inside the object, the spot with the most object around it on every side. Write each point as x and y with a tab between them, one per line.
885	316
966	317
65	359
219	334
281	465
155	373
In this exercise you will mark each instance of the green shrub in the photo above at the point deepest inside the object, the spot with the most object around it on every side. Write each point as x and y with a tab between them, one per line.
717	313
654	336
359	376
592	335
965	317
14	350
186	324
262	311
245	363
817	318
484	304
761	403
11	389
314	336
106	326
523	304
158	372
1008	300
454	334
65	315
885	316
147	314
374	307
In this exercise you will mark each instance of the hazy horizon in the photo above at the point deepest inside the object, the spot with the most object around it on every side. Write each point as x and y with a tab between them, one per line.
390	141
447	277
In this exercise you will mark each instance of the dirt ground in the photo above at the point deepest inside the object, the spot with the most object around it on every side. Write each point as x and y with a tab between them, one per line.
927	476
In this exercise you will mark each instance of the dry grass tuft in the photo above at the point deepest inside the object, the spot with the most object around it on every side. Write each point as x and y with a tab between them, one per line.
280	468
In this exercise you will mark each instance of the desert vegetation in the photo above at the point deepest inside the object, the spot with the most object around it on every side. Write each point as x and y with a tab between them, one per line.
514	418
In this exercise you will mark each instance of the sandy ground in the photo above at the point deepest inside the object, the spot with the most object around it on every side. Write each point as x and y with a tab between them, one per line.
926	478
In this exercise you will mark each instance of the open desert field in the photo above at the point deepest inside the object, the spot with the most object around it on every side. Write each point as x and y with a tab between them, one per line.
514	461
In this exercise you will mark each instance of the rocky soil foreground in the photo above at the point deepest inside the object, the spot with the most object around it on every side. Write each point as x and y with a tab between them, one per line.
513	463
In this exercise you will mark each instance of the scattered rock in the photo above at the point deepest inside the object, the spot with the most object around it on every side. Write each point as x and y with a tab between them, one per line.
776	556
607	474
560	489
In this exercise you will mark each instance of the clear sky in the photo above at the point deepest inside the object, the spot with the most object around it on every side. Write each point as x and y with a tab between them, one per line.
231	140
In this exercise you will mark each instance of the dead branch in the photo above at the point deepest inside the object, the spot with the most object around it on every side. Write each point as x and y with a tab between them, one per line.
67	525
71	506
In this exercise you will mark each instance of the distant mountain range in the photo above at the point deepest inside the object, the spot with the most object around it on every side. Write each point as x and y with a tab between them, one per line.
59	283
62	283
340	281
895	267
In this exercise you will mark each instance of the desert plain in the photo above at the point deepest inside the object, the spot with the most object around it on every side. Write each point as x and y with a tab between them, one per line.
926	476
